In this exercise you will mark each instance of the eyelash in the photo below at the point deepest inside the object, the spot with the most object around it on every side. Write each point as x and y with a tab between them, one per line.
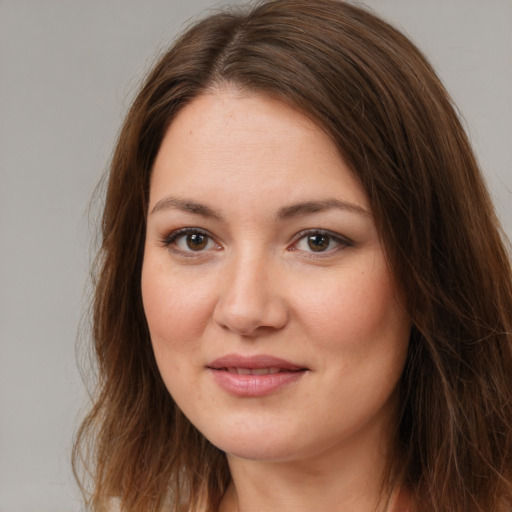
169	241
333	237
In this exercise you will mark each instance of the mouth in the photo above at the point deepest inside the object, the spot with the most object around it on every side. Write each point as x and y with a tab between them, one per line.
261	364
255	371
254	376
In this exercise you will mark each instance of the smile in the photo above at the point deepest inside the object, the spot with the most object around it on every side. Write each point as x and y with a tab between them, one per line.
254	376
255	371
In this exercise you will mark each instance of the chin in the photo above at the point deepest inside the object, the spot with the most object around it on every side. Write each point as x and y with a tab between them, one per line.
262	452
267	445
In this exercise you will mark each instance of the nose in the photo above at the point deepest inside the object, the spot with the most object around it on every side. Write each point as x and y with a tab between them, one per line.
250	302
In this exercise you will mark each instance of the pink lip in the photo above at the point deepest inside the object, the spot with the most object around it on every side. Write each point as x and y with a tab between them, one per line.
224	371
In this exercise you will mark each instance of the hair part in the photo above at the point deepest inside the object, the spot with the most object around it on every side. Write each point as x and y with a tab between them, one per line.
394	124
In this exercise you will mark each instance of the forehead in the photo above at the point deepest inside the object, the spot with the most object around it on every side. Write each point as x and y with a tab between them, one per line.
249	144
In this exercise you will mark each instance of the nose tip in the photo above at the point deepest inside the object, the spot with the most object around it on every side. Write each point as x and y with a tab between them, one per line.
249	324
249	305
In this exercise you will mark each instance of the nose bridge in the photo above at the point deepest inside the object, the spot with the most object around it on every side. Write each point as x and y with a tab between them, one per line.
249	297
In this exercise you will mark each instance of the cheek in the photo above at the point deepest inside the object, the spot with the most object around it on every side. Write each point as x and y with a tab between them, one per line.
356	310
177	313
177	309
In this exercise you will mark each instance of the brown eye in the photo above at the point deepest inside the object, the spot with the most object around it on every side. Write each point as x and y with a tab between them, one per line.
196	241
318	243
321	242
190	241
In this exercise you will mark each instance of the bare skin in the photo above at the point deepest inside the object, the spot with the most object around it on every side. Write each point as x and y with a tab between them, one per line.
261	246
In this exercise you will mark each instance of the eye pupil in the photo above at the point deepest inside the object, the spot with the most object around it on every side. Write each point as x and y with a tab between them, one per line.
196	241
318	243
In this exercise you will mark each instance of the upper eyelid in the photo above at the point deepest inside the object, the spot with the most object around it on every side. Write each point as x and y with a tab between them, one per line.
175	234
186	231
170	238
169	242
311	231
342	243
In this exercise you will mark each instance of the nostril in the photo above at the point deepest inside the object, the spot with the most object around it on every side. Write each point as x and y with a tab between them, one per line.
251	319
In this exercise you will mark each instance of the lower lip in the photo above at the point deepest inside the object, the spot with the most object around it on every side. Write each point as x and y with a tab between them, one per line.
254	385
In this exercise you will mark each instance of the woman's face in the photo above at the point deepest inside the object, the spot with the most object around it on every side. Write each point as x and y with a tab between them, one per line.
274	319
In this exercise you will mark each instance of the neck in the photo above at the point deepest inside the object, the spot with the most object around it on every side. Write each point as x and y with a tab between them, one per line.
348	478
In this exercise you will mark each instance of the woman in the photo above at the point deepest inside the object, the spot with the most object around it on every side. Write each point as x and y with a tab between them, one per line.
303	298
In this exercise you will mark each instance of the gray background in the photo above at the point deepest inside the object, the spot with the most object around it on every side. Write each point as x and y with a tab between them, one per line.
68	70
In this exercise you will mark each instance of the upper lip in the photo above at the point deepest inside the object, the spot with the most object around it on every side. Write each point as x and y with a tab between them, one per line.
253	362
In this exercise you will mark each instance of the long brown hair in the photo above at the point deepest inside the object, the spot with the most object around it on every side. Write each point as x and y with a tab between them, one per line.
381	102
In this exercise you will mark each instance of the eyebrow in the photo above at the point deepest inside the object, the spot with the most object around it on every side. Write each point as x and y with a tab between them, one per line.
187	206
286	212
309	207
